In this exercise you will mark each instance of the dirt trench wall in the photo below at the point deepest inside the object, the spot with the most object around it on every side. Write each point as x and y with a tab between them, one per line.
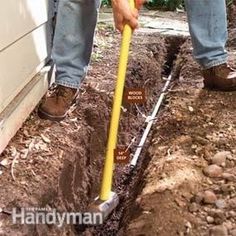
144	71
128	184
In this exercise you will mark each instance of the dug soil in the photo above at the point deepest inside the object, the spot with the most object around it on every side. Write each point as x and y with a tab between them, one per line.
190	181
58	165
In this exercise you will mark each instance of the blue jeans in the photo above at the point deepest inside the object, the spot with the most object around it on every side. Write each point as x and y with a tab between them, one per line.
208	28
73	40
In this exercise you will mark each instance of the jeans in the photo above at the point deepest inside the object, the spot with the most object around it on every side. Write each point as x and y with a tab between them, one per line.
208	28
73	40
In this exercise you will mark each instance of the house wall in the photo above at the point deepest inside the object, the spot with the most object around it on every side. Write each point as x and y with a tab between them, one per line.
25	41
25	48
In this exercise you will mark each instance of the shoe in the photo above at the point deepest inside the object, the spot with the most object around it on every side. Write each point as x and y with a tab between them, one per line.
222	78
56	106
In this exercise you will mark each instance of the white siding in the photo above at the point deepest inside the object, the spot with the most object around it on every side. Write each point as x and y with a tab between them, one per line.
25	37
19	17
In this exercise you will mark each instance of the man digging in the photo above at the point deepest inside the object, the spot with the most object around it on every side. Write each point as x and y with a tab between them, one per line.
73	41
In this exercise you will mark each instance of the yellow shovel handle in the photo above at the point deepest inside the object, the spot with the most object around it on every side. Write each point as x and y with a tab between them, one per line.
115	117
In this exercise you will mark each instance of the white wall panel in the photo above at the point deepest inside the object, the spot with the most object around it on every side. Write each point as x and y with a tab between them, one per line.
19	17
20	62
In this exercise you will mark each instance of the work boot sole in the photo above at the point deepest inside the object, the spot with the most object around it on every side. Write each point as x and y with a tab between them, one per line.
46	116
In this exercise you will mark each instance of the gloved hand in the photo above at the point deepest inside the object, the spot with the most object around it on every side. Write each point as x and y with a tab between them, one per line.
124	15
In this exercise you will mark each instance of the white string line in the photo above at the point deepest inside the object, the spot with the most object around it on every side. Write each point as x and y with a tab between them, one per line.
150	123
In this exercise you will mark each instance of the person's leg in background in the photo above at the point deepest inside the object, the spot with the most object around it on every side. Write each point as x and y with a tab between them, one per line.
208	29
72	47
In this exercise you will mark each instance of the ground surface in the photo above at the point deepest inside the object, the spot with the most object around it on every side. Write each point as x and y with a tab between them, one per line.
58	165
196	130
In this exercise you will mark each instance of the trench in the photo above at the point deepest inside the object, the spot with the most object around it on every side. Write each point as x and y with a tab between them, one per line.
75	177
146	70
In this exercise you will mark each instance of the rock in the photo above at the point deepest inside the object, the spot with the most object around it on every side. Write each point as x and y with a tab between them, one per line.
180	202
188	225
5	162
206	209
233	232
223	164
210	219
193	207
138	201
229	177
226	188
161	188
209	197
219	220
224	154
209	181
218	215
230	164
201	140
198	198
187	195
220	157
190	109
45	139
232	203
213	171
216	187
219	230
221	204
228	225
232	156
180	233
232	214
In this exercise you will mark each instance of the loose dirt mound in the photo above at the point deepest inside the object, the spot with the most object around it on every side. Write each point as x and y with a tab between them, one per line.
184	194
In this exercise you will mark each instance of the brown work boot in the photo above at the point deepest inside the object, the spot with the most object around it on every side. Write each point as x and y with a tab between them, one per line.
220	77
56	106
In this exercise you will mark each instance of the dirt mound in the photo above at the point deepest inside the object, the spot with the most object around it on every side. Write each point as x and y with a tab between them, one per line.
185	192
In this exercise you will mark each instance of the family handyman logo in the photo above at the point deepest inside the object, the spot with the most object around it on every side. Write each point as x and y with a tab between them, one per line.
35	216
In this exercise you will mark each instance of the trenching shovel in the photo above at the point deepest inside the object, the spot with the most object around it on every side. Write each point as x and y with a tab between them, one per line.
108	200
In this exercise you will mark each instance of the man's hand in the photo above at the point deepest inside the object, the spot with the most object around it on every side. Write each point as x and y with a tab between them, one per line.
123	14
